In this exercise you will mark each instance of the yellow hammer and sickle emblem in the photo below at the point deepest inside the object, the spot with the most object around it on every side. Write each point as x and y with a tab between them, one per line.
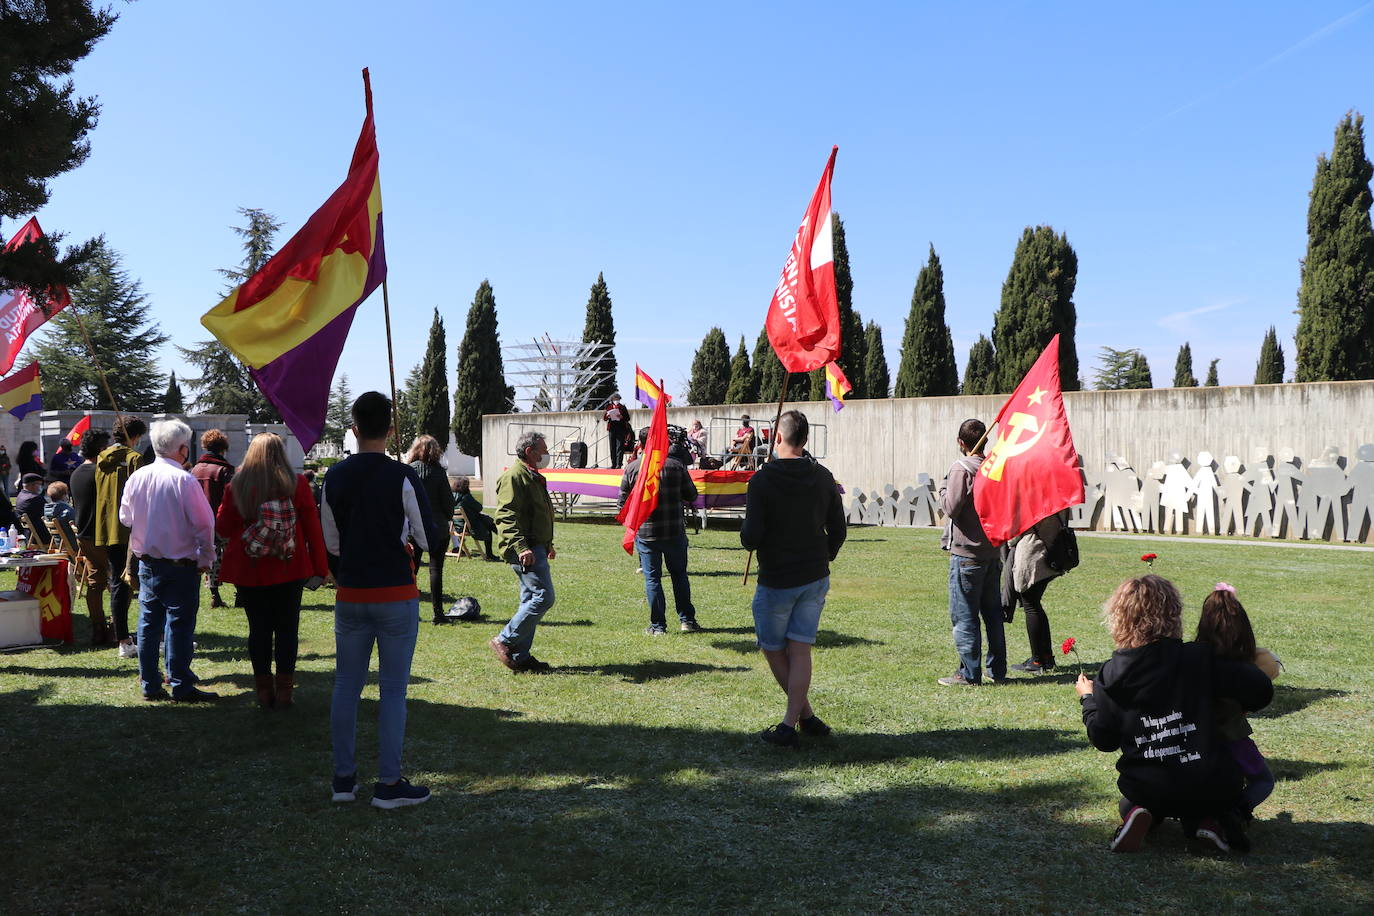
1008	446
653	466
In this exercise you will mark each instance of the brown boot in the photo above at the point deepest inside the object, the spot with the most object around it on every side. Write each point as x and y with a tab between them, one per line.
284	686
266	695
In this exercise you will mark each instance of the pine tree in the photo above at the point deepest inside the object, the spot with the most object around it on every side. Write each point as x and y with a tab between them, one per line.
1138	376
599	328
339	415
1114	369
482	387
1037	303
875	365
1183	368
743	387
710	370
927	365
431	391
980	373
1269	370
1336	299
46	127
172	401
1212	374
852	351
116	313
224	384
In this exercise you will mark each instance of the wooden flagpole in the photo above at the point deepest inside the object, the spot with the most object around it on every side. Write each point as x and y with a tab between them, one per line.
391	369
95	360
772	438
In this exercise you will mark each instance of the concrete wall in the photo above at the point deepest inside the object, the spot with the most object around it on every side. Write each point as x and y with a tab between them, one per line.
871	444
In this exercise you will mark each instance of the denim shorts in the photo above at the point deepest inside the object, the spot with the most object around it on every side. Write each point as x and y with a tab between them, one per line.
781	614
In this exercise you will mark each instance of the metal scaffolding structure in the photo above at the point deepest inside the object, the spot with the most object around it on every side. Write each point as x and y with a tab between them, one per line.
557	375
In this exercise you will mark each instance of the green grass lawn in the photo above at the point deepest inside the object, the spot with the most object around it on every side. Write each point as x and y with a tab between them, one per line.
631	780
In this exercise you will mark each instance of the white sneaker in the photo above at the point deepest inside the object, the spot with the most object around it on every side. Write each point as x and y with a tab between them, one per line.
127	649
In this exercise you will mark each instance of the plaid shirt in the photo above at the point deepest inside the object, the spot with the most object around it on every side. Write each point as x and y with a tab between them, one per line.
675	490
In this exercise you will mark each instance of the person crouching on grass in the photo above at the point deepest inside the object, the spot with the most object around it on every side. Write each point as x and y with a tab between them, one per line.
1154	702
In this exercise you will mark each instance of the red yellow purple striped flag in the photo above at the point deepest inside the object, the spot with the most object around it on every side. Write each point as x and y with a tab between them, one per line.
22	392
646	391
288	322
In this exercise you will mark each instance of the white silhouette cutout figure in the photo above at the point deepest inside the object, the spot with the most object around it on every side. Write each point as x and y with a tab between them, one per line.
1287	484
1232	519
1122	489
1362	486
1323	493
1205	487
1149	496
1260	484
1175	493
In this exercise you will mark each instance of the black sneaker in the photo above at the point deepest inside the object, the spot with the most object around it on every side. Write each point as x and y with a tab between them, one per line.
1034	666
782	735
194	695
690	626
154	696
532	665
656	629
1233	826
1131	834
398	795
345	788
813	727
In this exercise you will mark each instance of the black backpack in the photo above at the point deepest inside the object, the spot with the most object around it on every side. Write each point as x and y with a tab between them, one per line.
1062	554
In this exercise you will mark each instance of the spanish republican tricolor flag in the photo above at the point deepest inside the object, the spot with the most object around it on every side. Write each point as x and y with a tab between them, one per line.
837	387
646	392
22	392
288	322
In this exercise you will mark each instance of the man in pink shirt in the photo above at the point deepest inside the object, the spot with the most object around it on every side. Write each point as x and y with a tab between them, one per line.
172	532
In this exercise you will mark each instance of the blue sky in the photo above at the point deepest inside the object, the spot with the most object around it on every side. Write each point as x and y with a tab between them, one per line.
674	148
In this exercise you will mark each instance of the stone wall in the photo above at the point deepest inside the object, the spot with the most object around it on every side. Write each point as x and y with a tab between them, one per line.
882	447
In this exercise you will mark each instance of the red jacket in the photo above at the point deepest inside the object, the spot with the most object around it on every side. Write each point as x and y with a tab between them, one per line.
240	569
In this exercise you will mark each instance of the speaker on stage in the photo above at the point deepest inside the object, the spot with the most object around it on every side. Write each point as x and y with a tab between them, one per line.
577	455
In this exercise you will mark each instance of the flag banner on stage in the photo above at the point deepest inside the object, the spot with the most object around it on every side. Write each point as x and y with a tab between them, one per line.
715	489
837	387
646	392
48	586
288	322
803	321
79	432
643	498
20	315
22	392
1031	470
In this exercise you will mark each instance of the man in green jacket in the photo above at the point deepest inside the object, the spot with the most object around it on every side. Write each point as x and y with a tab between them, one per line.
524	531
112	470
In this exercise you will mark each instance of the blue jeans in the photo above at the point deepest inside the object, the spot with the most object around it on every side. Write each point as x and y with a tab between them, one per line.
168	598
975	590
536	597
782	614
393	625
653	555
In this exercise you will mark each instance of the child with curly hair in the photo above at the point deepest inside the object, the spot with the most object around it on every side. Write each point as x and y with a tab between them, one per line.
1153	702
1225	626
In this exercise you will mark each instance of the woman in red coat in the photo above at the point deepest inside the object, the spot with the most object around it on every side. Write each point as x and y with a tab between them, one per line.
275	549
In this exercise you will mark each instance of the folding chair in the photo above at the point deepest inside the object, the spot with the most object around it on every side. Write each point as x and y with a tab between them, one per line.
64	543
458	528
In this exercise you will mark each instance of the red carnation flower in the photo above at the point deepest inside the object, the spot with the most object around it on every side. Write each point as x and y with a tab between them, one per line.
1150	558
1068	645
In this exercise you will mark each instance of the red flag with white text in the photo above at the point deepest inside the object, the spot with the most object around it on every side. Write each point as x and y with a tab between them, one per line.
1031	470
20	315
803	321
643	498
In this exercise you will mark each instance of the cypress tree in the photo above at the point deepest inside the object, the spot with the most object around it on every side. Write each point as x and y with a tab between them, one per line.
543	403
1037	303
1183	368
116	313
482	385
981	370
1269	370
743	387
172	401
431	390
1336	299
876	376
338	416
927	366
1212	374
1138	375
768	371
852	351
599	328
710	370
46	127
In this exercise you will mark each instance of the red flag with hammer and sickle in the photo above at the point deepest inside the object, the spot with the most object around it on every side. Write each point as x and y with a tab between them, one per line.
1031	470
643	498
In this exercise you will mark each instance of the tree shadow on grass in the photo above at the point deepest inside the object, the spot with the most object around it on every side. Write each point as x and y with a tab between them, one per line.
717	573
1295	770
825	639
643	672
1289	699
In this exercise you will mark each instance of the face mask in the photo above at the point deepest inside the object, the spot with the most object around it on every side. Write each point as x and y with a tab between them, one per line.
543	461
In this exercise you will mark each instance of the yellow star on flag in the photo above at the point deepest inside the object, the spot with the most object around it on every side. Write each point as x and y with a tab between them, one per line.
1035	396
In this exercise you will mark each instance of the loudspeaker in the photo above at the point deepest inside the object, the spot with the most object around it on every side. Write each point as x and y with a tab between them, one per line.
577	455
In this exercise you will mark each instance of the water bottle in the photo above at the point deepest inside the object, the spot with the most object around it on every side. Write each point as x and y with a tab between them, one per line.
4	540
13	538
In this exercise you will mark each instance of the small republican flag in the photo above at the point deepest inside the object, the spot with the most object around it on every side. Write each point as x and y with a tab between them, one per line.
79	431
646	392
1031	471
837	387
22	392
